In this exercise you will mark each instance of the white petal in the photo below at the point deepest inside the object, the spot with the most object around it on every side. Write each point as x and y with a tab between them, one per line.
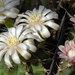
41	8
46	11
31	41
23	46
39	38
43	18
52	25
27	31
36	34
18	31
23	20
12	30
22	24
31	47
2	39
52	15
17	20
10	14
2	45
22	15
9	1
31	36
25	54
11	4
28	13
14	10
10	51
34	10
37	27
6	1
45	32
23	35
3	36
7	60
2	17
2	52
16	58
1	9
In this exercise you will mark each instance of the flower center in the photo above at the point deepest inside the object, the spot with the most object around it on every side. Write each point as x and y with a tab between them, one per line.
11	40
34	17
1	4
71	53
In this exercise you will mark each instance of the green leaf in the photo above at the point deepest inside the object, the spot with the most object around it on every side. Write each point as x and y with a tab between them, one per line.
37	68
8	23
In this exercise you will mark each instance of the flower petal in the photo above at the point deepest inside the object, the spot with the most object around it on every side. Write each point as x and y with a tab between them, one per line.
34	10
10	51
36	34
30	45
45	32
16	58
62	48
3	39
41	8
52	25
25	54
46	11
30	36
23	46
3	36
24	34
52	15
72	19
9	3
22	15
38	27
2	17
43	19
1	9
23	20
12	31
7	60
10	13
2	52
2	46
28	12
18	31
61	55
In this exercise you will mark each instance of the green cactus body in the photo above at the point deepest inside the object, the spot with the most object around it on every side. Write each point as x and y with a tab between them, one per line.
65	69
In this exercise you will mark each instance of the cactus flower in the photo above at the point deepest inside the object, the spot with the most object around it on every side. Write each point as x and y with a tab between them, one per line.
73	20
7	9
38	20
68	52
17	41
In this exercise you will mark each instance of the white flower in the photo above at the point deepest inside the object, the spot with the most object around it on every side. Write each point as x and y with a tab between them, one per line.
38	20
7	9
17	40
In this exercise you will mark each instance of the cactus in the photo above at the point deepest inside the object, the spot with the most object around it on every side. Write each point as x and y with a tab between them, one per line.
65	69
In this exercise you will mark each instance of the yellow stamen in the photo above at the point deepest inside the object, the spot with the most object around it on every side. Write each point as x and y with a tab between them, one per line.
34	17
1	3
11	40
